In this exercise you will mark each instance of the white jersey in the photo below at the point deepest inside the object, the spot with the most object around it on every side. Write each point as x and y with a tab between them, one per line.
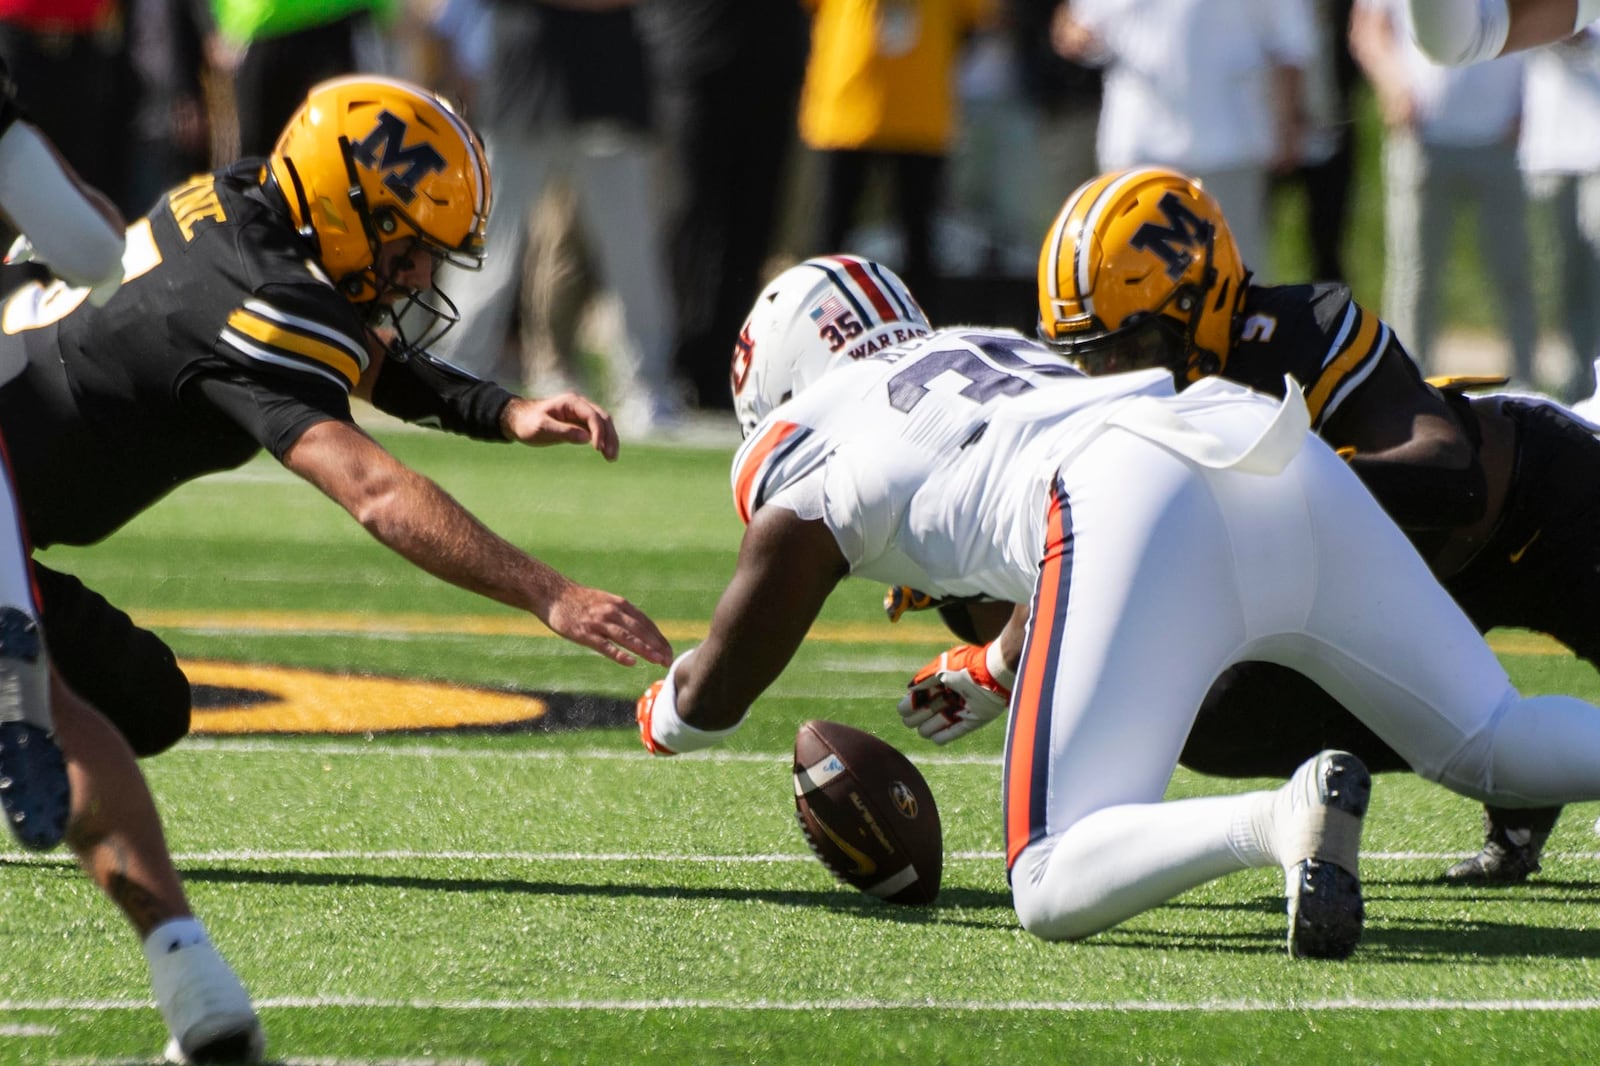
1156	539
932	462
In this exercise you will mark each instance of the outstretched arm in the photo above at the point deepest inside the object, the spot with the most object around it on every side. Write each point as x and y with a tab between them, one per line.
427	390
787	567
421	522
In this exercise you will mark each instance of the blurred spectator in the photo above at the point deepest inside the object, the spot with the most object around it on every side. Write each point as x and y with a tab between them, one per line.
1066	96
1209	87
70	64
727	73
561	286
171	131
1560	155
1025	139
995	176
1327	158
880	95
449	49
278	49
566	95
1449	138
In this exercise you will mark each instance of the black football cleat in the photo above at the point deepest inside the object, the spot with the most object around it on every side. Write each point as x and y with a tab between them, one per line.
35	797
1328	797
1513	840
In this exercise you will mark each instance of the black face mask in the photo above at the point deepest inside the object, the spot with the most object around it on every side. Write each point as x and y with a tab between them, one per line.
1153	341
419	318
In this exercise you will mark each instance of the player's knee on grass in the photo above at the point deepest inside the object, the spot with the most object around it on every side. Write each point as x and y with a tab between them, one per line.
1043	905
126	673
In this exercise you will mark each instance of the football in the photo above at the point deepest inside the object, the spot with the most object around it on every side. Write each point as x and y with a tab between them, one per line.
867	813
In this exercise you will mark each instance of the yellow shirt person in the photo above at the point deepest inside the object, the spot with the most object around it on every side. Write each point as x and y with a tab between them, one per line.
882	73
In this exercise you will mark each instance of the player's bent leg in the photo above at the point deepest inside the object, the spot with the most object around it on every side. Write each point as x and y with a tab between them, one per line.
1533	751
35	789
117	836
115	829
125	672
1121	861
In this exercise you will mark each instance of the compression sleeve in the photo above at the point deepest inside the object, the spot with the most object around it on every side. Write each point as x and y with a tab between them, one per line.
1458	32
431	392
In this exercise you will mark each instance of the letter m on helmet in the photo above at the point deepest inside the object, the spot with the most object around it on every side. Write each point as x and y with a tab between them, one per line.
384	149
1177	242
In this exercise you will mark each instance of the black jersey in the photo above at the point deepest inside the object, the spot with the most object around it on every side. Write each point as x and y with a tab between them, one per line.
1315	333
225	338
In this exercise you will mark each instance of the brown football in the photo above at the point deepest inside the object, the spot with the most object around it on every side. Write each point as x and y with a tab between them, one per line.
867	813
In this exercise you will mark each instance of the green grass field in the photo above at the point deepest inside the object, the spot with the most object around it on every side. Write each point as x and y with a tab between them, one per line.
507	897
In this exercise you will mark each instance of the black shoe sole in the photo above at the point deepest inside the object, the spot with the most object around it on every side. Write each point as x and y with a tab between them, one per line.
1326	914
231	1047
34	794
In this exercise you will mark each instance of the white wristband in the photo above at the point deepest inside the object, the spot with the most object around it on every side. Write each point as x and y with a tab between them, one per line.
673	733
996	662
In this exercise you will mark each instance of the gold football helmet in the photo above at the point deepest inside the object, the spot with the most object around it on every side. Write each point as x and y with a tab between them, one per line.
1140	270
368	159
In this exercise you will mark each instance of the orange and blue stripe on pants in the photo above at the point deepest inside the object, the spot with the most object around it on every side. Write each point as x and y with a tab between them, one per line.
1027	761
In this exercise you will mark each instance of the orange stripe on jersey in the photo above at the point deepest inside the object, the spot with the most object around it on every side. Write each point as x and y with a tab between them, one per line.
887	312
1356	352
1028	743
753	461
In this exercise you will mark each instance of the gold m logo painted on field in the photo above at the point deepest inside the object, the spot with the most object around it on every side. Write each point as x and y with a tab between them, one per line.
231	699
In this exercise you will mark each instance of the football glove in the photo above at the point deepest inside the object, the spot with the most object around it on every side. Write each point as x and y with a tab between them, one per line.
644	714
661	730
966	687
898	599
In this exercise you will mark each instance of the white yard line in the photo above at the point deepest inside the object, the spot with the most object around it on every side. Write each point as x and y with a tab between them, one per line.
1207	1006
402	749
315	1061
410	855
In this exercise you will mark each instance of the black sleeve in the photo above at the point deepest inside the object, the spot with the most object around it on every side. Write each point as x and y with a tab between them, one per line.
431	392
275	411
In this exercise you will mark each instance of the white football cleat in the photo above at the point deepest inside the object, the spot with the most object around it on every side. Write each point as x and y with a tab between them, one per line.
1317	832
206	1008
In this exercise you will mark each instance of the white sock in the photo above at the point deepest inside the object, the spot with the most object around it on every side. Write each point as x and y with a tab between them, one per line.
172	935
1250	834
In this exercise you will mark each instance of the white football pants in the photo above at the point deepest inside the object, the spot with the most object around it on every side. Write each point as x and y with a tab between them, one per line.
1159	574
